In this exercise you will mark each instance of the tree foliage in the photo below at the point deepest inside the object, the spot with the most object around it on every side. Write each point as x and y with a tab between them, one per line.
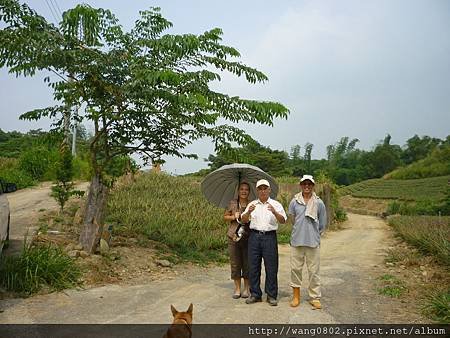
145	91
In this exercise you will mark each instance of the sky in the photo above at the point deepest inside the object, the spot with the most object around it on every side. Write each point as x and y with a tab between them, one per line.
361	69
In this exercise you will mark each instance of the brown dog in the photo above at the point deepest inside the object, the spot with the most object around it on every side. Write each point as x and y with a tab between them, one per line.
182	324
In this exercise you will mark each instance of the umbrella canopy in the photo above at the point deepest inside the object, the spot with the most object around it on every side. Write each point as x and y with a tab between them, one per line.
221	186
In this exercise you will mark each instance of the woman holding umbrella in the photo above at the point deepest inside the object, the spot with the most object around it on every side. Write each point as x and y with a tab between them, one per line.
219	187
238	240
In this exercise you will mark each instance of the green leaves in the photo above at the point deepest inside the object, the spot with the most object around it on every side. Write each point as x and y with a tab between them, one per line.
145	91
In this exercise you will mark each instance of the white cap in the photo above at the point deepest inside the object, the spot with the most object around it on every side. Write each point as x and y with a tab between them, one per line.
306	178
262	182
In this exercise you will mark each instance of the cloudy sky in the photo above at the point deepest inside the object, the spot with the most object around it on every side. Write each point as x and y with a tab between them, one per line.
344	68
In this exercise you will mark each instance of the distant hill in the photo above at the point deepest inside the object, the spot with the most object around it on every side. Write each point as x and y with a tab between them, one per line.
437	163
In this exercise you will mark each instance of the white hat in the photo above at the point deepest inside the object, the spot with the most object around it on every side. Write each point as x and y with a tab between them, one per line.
306	178
262	182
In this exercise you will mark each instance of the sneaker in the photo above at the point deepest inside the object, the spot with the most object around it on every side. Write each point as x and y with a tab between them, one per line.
315	303
252	300
272	301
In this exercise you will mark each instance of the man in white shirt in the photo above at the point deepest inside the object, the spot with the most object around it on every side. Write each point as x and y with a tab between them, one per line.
264	215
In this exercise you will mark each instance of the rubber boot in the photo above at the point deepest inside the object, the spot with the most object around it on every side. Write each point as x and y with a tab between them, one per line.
296	297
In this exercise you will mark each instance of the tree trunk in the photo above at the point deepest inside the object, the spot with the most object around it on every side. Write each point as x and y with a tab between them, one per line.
93	217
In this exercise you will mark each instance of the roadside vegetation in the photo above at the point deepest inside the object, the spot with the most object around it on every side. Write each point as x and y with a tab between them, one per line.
425	263
38	267
429	234
32	157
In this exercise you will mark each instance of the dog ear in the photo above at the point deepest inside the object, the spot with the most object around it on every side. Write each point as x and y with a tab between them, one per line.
174	311
190	309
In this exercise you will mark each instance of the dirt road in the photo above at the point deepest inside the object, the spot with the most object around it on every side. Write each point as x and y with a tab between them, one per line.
352	260
25	206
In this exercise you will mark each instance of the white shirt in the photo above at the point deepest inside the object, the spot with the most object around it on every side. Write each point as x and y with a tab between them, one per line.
263	219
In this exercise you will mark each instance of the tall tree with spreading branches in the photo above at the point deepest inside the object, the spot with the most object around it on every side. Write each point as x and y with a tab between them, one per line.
145	92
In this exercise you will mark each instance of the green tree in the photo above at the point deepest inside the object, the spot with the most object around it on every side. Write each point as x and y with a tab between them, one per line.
384	158
418	148
146	92
64	187
274	162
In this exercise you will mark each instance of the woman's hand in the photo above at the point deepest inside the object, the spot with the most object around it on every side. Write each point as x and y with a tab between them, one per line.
237	214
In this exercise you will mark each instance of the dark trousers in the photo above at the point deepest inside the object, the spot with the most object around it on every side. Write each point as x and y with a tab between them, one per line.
263	246
238	258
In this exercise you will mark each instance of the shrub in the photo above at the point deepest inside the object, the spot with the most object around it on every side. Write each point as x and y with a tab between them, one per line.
35	162
10	172
64	187
37	267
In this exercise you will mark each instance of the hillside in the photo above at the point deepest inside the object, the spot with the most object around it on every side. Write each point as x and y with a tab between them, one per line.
437	163
431	189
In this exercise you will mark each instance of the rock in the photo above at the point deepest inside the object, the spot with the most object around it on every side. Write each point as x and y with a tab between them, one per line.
424	273
422	267
73	253
104	247
78	247
389	264
83	254
164	263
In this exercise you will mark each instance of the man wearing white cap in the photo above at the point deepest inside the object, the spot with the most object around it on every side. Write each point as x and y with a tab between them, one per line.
264	215
309	222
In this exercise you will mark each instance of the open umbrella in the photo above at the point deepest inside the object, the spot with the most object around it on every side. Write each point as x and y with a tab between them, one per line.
221	186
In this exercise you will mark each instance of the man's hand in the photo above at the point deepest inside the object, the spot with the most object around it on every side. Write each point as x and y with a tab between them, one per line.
271	209
278	216
246	215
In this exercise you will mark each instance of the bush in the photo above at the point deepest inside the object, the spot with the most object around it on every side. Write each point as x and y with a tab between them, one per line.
35	162
10	172
37	267
81	169
426	207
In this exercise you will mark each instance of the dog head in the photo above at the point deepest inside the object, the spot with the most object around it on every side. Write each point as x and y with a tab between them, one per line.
182	317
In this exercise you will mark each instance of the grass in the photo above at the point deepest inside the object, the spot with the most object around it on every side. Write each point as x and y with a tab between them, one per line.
438	306
431	189
391	286
429	234
173	211
38	267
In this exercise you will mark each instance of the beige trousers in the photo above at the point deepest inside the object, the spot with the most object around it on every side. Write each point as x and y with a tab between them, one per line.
300	255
